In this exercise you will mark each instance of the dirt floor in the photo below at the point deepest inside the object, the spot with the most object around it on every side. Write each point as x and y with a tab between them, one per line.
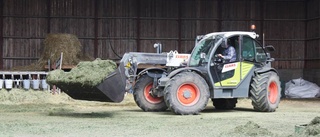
38	113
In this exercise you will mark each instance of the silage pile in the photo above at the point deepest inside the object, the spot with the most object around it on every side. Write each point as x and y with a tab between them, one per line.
88	73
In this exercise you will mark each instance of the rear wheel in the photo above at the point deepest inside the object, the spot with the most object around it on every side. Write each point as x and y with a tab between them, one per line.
143	98
186	93
265	92
224	103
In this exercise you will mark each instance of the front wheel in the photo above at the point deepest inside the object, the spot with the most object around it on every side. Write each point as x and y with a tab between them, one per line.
186	93
144	99
265	92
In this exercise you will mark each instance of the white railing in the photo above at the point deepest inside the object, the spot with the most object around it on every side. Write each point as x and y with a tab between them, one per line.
24	79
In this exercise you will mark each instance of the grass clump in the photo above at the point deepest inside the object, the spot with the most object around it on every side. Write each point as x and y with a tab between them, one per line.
252	129
87	73
313	128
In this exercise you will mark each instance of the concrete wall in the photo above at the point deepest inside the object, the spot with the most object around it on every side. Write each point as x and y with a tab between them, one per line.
312	75
311	71
289	74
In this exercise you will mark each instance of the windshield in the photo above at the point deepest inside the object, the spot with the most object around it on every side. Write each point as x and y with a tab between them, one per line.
203	47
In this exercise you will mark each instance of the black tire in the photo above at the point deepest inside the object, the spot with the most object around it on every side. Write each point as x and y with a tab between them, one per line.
186	93
142	97
265	92
225	104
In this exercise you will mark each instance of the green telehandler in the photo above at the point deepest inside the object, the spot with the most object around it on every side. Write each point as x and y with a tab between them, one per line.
185	82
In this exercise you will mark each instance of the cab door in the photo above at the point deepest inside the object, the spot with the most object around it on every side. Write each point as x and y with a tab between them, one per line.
248	53
230	74
224	73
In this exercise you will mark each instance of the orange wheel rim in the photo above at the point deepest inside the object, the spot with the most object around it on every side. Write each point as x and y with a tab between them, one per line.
188	94
273	92
150	98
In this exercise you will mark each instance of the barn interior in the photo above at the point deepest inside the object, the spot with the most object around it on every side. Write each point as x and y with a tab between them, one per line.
107	29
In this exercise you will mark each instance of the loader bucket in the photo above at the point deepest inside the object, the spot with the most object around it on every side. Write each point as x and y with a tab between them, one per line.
112	89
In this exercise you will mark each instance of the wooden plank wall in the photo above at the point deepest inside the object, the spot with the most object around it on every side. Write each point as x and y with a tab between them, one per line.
74	17
312	49
22	34
158	24
284	27
117	26
312	64
197	18
135	25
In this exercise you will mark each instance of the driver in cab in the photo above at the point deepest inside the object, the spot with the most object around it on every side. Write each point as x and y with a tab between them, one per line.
229	52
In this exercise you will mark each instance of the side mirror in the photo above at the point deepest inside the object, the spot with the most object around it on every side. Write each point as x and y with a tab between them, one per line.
261	57
269	48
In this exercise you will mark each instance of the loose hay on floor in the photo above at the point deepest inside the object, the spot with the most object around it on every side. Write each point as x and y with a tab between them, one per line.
252	129
313	128
21	96
17	96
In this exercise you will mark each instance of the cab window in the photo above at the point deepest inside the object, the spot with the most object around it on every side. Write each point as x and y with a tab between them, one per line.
260	53
248	49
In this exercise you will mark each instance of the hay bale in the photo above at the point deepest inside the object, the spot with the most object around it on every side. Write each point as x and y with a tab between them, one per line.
88	73
69	44
54	44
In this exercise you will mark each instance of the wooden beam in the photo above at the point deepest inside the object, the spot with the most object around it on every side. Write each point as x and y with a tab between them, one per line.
262	11
96	33
305	34
1	34
49	16
249	3
219	15
138	25
179	26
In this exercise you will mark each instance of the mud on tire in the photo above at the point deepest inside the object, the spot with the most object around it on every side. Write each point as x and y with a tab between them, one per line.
142	97
187	93
265	91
